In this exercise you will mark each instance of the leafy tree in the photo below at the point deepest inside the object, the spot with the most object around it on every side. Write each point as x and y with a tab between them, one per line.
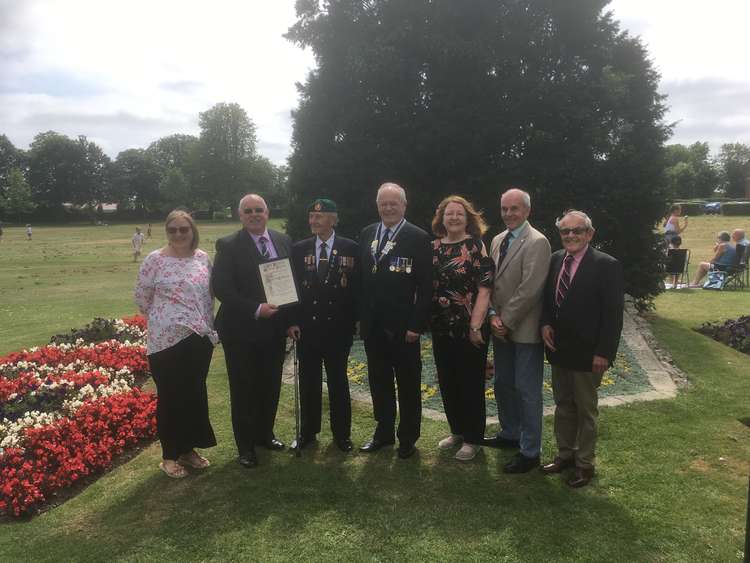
64	170
174	190
227	151
734	159
10	157
135	181
55	163
690	173
16	199
470	97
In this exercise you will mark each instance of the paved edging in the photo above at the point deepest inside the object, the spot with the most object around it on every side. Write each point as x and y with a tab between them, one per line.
637	335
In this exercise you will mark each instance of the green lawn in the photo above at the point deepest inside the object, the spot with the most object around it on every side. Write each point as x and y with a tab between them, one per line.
672	485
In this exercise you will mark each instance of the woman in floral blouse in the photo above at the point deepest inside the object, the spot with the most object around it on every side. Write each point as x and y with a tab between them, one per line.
462	278
173	292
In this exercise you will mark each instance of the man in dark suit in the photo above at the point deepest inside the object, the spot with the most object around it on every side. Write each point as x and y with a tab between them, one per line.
396	293
326	267
252	333
581	326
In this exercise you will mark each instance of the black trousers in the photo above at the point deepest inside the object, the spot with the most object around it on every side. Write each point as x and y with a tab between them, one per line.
254	386
389	356
460	369
313	355
180	374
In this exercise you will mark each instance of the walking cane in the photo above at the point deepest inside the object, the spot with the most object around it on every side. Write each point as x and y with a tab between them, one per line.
297	448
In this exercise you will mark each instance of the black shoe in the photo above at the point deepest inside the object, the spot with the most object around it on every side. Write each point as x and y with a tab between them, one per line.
502	443
521	464
248	459
344	445
374	445
302	442
406	450
272	444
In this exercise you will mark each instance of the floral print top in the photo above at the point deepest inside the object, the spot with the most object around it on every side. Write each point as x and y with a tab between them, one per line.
458	270
174	295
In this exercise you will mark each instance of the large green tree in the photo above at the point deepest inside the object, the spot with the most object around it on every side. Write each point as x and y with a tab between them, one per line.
135	181
227	152
690	172
734	159
471	97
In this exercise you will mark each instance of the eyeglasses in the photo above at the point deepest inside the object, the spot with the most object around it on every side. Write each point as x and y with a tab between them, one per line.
175	230
577	231
249	210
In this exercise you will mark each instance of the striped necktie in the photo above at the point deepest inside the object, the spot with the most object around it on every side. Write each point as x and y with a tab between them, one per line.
564	285
264	248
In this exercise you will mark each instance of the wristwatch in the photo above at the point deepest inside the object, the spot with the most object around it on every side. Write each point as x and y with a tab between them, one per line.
475	329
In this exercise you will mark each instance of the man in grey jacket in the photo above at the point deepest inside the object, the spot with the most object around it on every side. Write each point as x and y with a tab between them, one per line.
521	255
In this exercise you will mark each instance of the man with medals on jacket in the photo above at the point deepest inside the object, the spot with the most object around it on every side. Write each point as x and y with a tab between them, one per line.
326	267
396	299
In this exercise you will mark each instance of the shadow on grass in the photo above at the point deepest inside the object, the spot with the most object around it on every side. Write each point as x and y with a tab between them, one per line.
356	505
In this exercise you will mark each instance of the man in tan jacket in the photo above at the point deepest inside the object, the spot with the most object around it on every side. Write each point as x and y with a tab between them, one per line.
521	255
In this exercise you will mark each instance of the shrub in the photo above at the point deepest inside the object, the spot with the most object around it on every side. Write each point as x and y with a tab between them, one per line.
736	208
734	332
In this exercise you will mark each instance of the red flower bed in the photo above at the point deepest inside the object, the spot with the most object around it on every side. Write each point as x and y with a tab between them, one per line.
66	410
58	454
109	354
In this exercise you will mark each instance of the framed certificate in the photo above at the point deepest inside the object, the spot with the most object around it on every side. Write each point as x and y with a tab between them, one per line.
278	282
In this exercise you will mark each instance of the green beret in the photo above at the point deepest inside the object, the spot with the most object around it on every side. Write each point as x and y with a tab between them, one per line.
322	205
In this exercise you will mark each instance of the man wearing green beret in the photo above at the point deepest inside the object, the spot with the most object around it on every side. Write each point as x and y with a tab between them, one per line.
326	267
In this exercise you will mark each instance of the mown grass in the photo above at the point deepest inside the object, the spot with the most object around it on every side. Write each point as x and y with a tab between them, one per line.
672	484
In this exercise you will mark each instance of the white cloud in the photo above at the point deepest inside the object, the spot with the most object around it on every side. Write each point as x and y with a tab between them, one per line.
142	69
127	73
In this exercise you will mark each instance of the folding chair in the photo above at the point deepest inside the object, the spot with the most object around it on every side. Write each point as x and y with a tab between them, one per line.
677	266
737	273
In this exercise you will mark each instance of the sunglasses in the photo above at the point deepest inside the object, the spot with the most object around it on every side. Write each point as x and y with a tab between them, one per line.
577	231
249	210
175	230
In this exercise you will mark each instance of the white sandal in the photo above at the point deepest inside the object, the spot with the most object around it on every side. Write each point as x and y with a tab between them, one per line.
178	472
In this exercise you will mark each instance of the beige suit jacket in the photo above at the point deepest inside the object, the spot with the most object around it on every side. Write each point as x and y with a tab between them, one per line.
519	283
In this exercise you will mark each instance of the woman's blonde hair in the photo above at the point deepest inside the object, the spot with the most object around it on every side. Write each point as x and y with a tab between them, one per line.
475	224
180	214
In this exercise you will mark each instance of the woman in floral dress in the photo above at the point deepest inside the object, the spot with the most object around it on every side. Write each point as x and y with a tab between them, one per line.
173	292
462	279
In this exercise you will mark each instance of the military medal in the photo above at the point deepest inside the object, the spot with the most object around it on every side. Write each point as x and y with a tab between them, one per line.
408	265
344	281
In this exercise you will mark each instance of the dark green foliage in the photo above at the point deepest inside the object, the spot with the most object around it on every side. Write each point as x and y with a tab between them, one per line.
97	330
733	332
736	208
692	207
471	97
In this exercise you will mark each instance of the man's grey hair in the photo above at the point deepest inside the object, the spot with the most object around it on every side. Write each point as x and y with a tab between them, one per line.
244	197
739	234
391	186
524	196
580	214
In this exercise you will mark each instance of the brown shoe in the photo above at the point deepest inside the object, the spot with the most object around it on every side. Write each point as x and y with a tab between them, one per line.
558	465
582	477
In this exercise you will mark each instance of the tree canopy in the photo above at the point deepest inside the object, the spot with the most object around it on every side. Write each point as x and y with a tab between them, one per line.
690	171
735	163
472	97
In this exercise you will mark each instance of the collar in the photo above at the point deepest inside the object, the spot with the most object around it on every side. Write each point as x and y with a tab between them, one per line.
256	238
394	229
329	242
517	231
578	256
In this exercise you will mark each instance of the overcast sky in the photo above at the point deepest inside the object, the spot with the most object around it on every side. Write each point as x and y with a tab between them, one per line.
126	73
